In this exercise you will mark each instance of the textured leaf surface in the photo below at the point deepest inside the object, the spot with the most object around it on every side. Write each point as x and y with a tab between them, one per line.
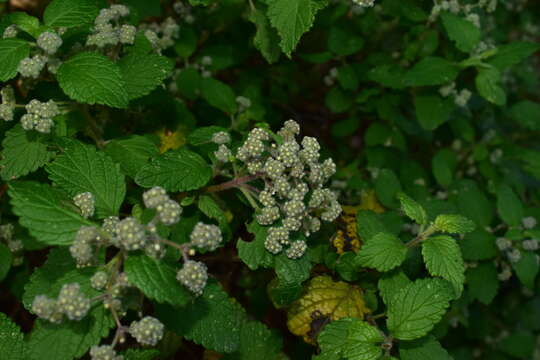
382	252
23	152
5	261
488	84
350	339
509	205
11	339
461	31
143	73
68	13
483	282
423	349
82	168
253	253
431	71
219	95
454	224
176	170
513	53
256	342
93	78
46	212
443	258
266	38
132	153
391	283
156	279
415	309
412	209
12	51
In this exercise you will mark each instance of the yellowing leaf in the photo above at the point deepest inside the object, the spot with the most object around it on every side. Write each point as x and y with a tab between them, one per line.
170	140
368	201
324	300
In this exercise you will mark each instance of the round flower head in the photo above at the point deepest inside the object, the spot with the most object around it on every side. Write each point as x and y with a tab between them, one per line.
131	234
45	308
109	225
72	303
82	252
127	33
31	67
10	32
296	250
279	234
223	153
147	331
268	215
99	280
49	42
169	212
205	236
6	112
154	197
86	203
221	137
193	276
273	246
104	352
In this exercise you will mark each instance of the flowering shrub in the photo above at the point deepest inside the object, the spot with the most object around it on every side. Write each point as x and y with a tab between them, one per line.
270	179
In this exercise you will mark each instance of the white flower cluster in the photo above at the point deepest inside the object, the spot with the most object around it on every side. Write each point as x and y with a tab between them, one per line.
108	32
7	106
223	153
467	10
49	42
71	302
294	198
162	35
147	331
104	352
31	67
7	233
205	236
243	102
461	98
184	11
364	3
39	116
86	203
168	210
10	32
203	66
330	79
193	275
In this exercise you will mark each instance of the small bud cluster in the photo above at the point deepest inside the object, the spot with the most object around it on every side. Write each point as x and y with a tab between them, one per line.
39	116
461	98
162	35
31	67
131	234
82	249
86	203
99	280
221	137
49	42
243	102
71	302
10	32
207	237
184	11
107	31
294	198
193	275
330	79
469	11
529	222
223	153
147	331
168	210
203	66
104	352
8	103
7	233
364	3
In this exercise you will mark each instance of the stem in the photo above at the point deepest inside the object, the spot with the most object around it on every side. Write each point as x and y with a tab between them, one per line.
249	198
231	184
421	237
184	248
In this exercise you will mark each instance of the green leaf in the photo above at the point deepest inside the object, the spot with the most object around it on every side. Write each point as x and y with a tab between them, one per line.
527	268
256	342
253	253
292	271
12	51
382	252
93	78
69	13
427	348
347	77
391	283
461	31
474	204
431	71
432	111
144	8
387	186
143	73
338	100
513	53
25	22
213	320
132	153
12	345
344	42
509	206
488	86
266	39
23	152
187	42
454	224
175	170
443	165
368	224
350	338
45	212
141	354
292	18
156	279
412	209
82	168
5	261
416	308
443	258
219	95
479	245
527	114
211	209
203	135
519	344
483	282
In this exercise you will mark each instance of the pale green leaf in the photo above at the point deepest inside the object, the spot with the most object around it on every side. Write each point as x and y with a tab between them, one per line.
382	252
143	73
431	71
132	153
461	31
12	51
219	95
509	205
454	224
69	13
266	39
423	349
443	258
391	283
488	84
412	209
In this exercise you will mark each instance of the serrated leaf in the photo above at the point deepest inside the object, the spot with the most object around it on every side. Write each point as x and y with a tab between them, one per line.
219	95
23	152
443	258
461	31
509	206
513	53
82	168
5	261
387	186
454	224
412	209
368	224
474	204
479	245
12	345
253	253
527	114
324	300
25	22
132	153
415	309
527	268
141	354
383	252
483	282
211	209
203	134
423	349
143	73
431	71
69	13
256	342
350	339
46	212
488	86
156	279
292	18
12	51
391	283
432	111
213	320
175	170
93	78
266	39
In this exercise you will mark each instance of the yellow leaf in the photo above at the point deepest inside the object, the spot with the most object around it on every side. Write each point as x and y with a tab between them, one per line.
368	201
325	300
170	140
